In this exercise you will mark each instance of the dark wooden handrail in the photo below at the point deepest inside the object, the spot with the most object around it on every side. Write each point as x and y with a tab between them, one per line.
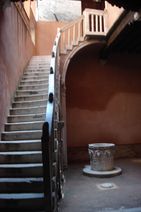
47	173
51	149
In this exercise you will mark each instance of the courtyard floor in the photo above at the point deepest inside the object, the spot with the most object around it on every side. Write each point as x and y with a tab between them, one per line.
86	194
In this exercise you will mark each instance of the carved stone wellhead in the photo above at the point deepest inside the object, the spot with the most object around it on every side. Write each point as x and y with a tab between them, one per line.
101	156
101	160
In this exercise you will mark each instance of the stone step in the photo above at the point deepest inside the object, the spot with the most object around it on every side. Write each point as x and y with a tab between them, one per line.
20	145
34	69
39	60
30	110
33	82
24	126
36	74
32	78
21	170
33	87
34	103
31	97
21	135
43	57
19	157
21	185
31	92
25	202
26	118
38	63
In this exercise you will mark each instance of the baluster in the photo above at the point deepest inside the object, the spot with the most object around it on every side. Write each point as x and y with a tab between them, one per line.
96	23
74	33
63	42
79	32
104	26
92	23
86	23
69	38
100	23
71	43
82	29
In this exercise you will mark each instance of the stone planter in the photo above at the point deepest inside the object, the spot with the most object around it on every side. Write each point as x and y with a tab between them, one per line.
101	156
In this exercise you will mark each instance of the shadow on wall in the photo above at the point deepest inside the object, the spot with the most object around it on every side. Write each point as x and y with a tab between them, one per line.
91	84
103	100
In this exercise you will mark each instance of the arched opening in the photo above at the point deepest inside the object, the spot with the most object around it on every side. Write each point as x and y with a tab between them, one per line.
103	102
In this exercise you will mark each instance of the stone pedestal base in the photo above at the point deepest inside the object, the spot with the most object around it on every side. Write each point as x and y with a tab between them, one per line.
88	171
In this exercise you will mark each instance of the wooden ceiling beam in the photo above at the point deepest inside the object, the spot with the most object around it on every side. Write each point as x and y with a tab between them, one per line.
133	5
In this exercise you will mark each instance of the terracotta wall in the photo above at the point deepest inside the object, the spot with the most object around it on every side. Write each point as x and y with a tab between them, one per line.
27	5
45	36
103	100
16	49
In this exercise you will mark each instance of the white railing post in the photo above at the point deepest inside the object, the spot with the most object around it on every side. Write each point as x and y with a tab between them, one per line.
82	30
69	39
86	22
74	34
79	32
96	24
101	22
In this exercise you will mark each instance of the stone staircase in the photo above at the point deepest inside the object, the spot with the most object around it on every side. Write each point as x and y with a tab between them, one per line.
21	174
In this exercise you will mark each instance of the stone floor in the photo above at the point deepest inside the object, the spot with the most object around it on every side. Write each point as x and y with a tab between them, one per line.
85	194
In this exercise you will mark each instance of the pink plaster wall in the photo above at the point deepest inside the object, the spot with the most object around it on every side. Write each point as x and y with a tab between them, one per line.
16	48
103	100
45	35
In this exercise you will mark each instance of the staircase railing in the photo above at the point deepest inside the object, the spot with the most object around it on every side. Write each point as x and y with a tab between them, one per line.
52	138
67	37
94	24
90	24
71	35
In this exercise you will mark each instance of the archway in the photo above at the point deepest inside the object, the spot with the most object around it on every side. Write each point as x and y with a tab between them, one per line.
103	101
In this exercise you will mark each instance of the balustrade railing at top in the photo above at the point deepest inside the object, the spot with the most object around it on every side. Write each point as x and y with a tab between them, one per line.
90	24
94	24
71	35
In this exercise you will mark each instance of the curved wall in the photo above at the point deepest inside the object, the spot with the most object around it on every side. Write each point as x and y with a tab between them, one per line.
103	100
